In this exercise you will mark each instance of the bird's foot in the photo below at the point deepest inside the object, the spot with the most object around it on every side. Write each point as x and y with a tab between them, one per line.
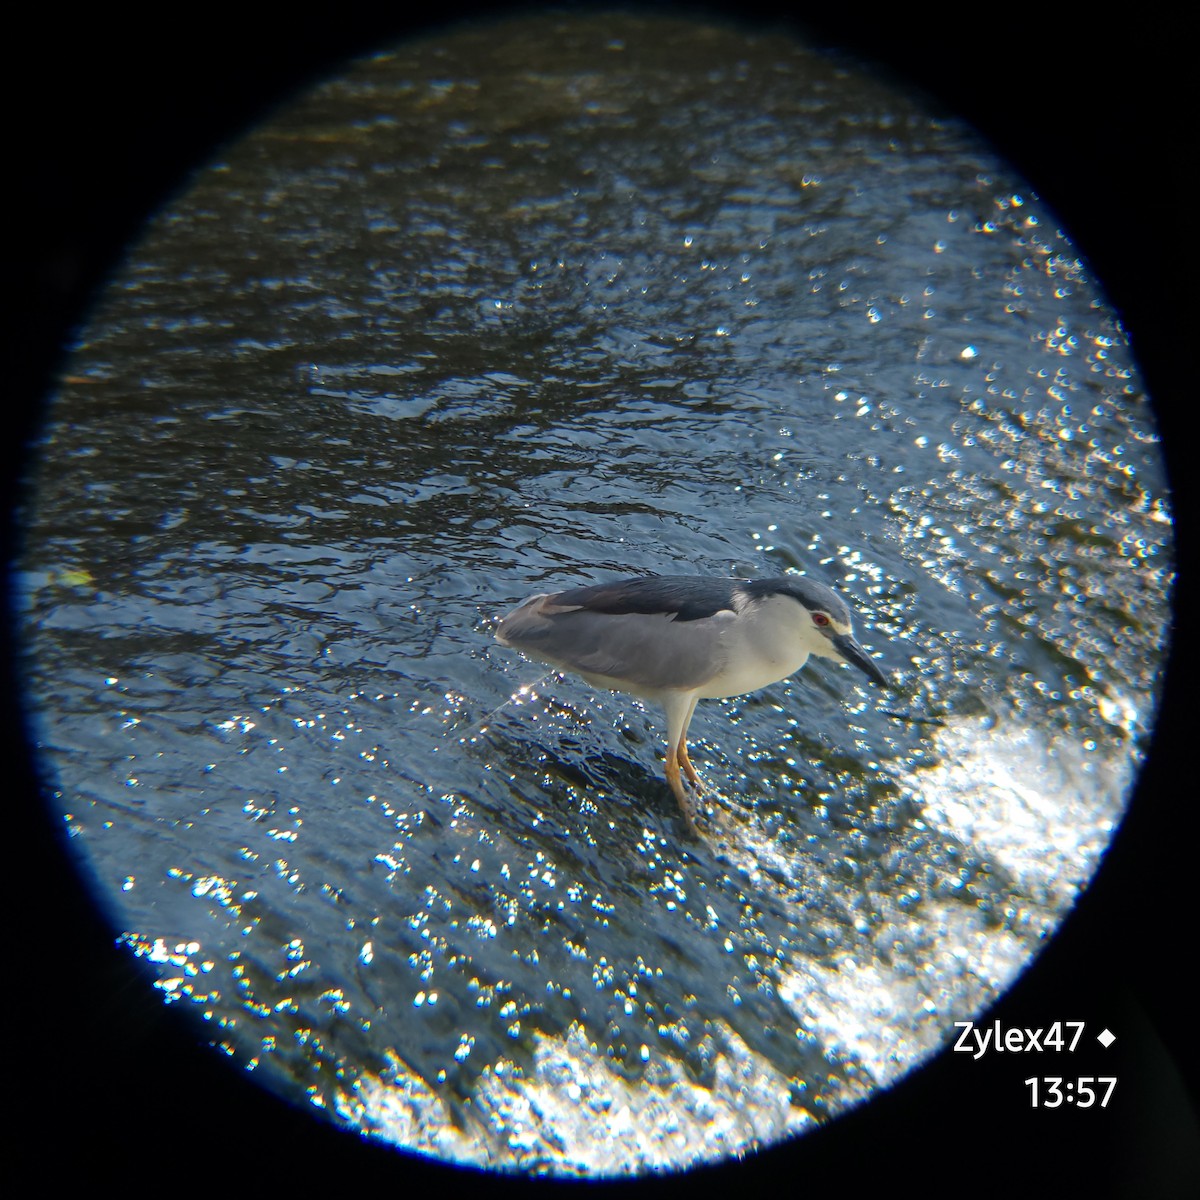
690	794
695	811
692	775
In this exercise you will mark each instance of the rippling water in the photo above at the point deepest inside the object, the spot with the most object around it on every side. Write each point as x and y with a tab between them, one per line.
538	305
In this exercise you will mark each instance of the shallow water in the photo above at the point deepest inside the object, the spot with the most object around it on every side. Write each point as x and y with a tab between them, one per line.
535	306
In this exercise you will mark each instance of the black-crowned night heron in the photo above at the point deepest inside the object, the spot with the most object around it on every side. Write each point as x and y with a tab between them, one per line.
675	640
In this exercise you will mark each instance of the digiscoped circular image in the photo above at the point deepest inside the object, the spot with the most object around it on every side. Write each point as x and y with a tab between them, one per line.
831	486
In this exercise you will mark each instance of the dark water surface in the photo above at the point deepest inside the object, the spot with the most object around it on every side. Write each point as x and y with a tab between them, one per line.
536	305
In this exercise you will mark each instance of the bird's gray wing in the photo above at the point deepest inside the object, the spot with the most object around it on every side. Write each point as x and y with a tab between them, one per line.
637	652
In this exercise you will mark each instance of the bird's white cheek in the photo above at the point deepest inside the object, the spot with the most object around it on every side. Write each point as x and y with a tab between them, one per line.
836	655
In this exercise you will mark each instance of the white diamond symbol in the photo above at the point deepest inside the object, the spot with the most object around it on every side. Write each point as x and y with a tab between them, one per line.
1105	1038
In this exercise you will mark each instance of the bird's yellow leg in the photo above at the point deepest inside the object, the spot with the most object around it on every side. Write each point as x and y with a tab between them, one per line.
685	803
681	749
686	764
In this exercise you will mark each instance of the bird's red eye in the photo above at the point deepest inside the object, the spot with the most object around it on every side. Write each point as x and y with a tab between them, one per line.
820	618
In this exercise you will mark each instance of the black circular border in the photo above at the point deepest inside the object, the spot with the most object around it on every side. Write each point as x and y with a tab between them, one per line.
111	112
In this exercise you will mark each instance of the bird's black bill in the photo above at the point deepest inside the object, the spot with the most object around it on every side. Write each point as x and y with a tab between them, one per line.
856	656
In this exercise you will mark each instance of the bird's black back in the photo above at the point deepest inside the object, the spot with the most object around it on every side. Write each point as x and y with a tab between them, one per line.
688	597
694	597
